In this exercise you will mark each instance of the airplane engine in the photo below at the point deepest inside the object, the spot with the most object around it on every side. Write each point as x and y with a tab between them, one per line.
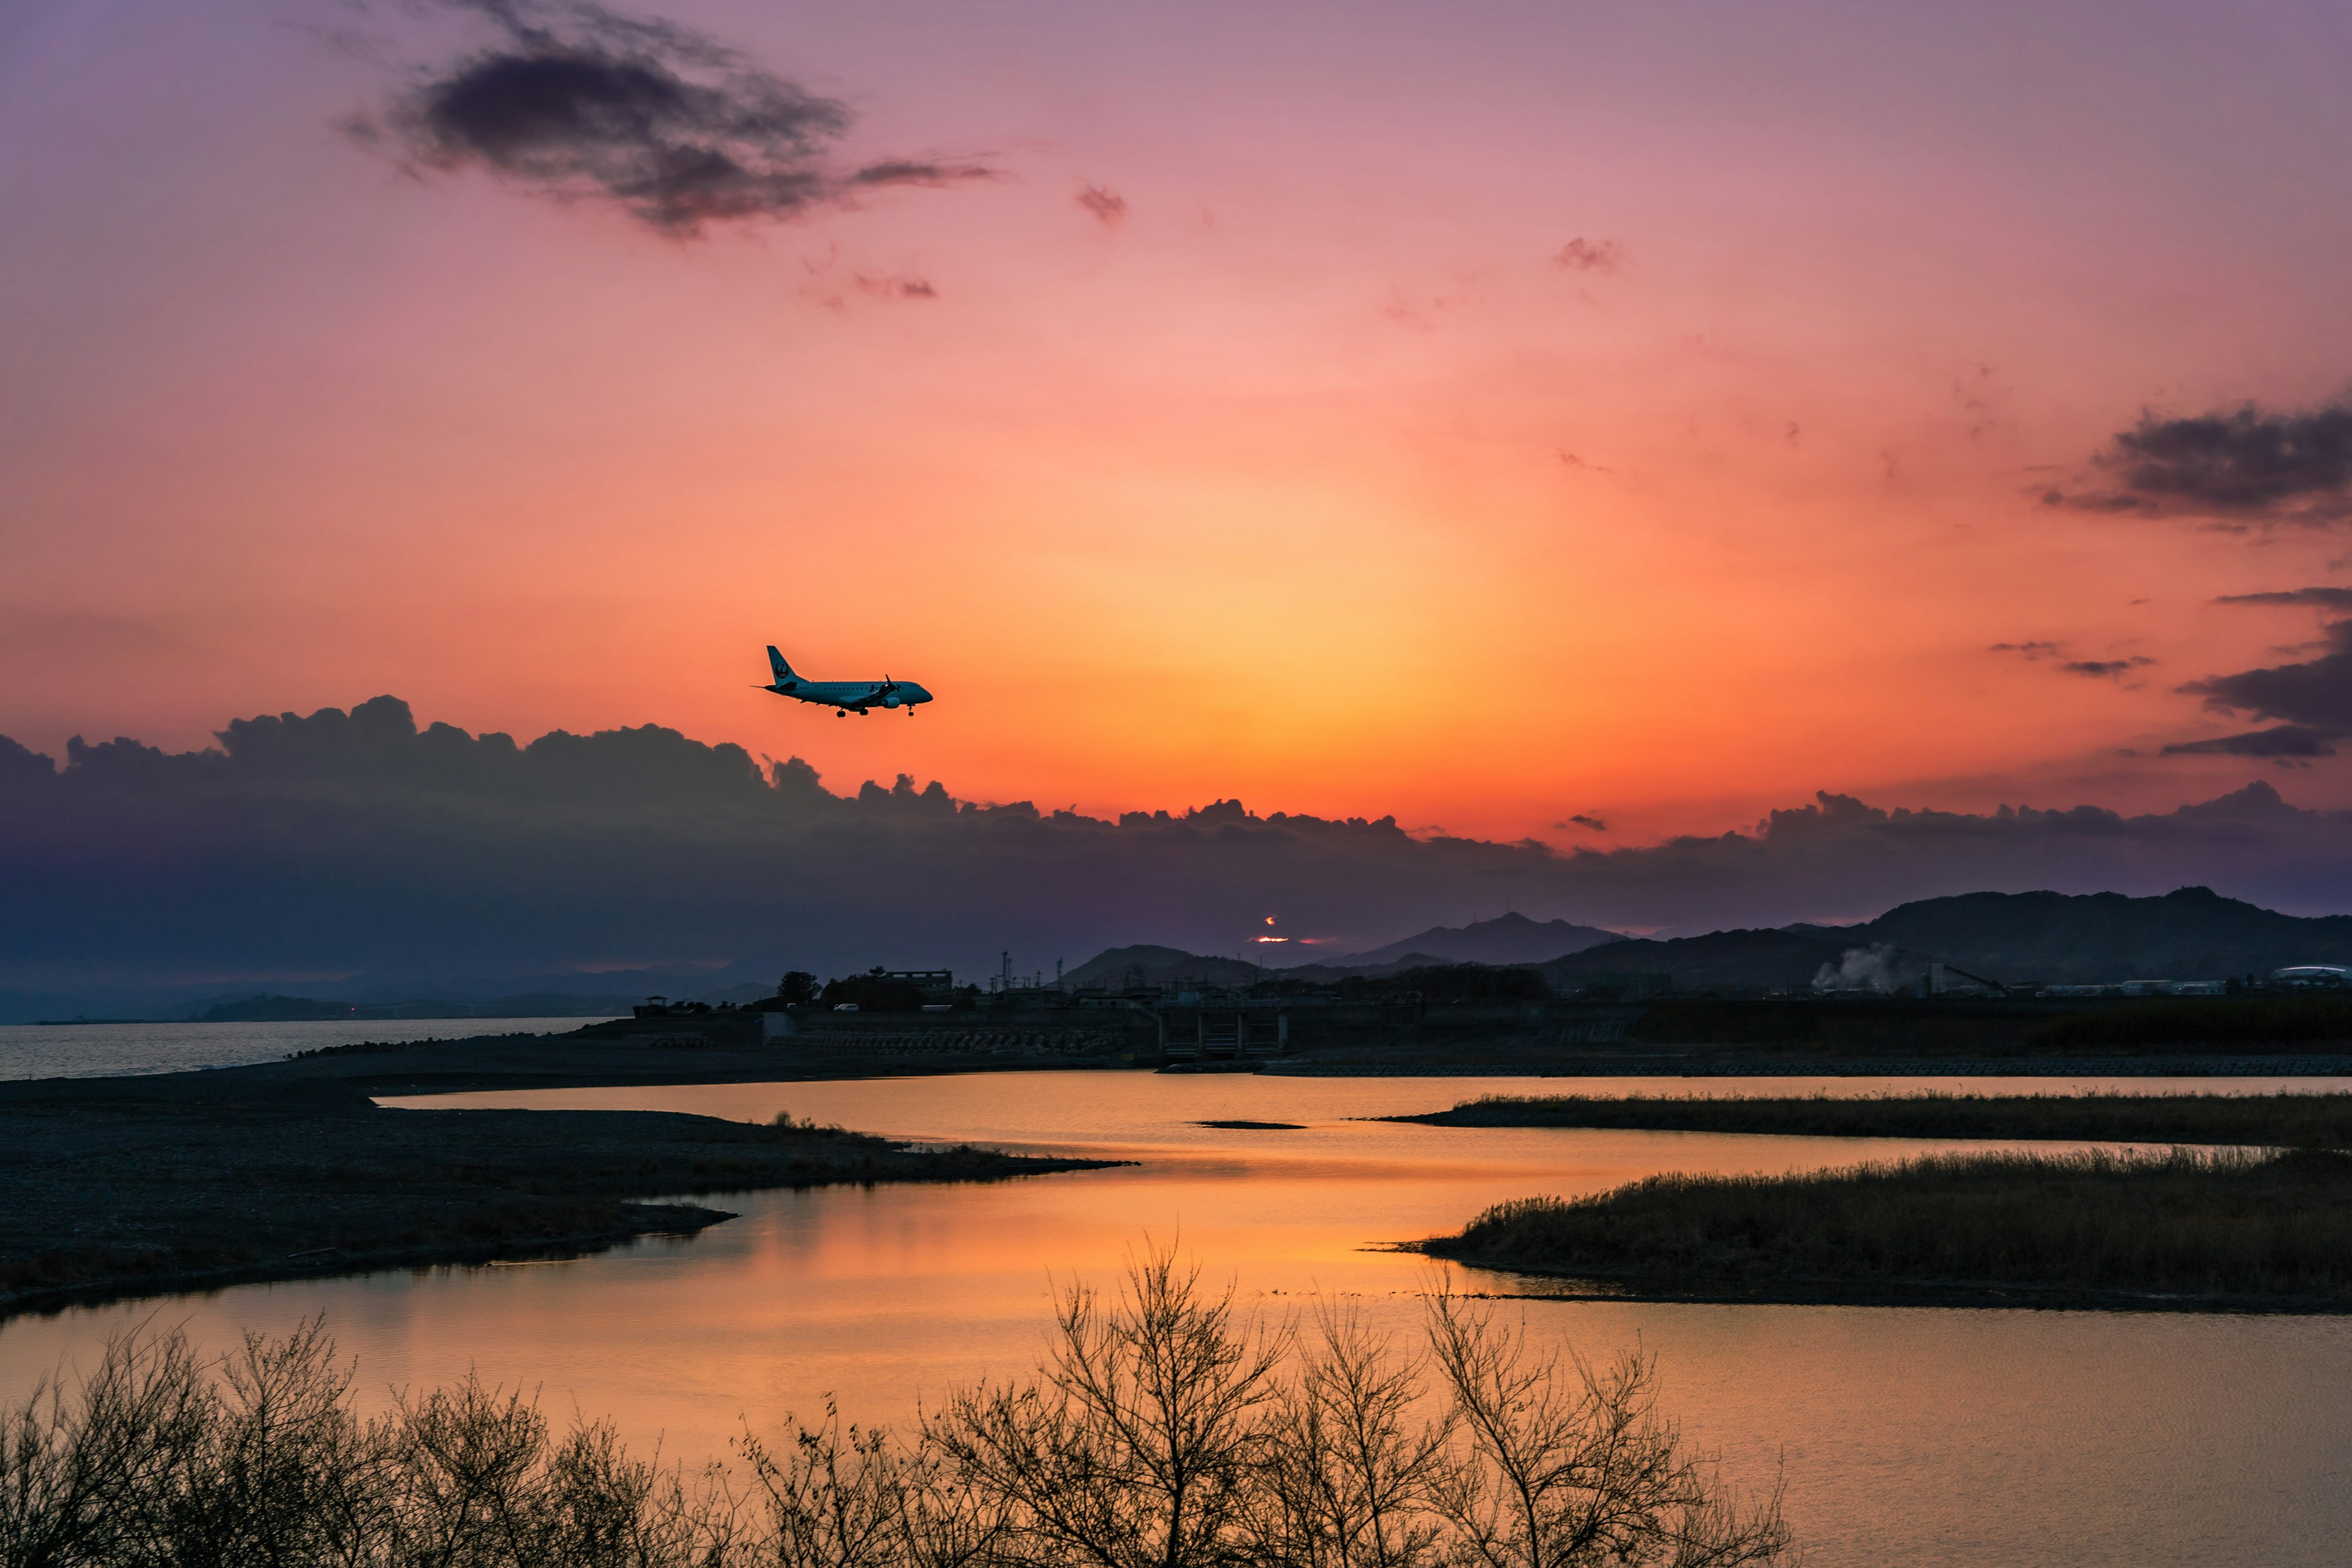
892	701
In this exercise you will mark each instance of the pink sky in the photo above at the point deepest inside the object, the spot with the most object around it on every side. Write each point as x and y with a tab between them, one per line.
1315	480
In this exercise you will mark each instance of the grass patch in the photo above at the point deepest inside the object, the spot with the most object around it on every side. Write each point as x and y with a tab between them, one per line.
2269	1121
2212	1228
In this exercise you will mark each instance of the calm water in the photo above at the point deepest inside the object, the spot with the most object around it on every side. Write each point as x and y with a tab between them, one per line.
96	1050
1907	1435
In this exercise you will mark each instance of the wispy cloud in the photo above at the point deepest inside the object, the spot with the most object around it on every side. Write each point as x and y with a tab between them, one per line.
2316	598
1108	205
1581	254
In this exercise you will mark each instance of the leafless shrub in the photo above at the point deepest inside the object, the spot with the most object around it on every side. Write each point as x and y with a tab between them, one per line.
1569	1466
1141	1441
1353	1466
1165	1428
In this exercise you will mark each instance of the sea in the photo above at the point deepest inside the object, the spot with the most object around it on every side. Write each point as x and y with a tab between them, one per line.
104	1050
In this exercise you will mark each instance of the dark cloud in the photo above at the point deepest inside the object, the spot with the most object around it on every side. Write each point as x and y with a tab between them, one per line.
1592	822
2315	693
2281	741
2316	598
1108	205
2101	668
2312	697
357	843
576	102
2242	466
2033	651
1582	255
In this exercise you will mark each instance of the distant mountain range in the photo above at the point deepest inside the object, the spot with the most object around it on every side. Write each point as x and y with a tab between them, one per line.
1144	964
1506	939
2193	933
2012	938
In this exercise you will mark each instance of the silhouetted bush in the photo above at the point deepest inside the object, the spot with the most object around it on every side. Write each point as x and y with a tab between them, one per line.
874	993
2219	1225
1163	1432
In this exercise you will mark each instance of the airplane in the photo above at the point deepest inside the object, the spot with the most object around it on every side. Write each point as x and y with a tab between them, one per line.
844	697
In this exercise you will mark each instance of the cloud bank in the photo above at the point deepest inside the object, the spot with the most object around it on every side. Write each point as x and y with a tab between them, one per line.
679	130
2234	467
342	843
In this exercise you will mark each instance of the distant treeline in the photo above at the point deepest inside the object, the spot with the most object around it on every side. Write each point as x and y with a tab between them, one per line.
2230	1022
2270	1121
1919	1027
2181	1229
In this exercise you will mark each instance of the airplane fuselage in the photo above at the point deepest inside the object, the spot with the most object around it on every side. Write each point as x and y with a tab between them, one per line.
855	696
847	696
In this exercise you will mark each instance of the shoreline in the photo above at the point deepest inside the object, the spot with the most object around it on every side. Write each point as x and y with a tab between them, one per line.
160	1184
1946	1295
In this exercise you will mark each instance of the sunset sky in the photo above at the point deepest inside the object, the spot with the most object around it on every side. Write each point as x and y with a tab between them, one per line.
1487	415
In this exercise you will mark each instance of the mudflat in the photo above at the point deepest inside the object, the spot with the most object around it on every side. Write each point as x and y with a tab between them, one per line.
127	1186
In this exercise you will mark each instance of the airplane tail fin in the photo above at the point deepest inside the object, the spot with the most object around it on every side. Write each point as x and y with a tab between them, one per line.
776	662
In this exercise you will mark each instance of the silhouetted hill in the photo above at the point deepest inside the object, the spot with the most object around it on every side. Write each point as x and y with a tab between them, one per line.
1167	965
2193	933
1146	964
1507	938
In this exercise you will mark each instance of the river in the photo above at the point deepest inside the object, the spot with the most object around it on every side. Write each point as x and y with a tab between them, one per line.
1912	1435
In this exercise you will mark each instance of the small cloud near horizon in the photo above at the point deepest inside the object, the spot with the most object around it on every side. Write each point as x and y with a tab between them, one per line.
1108	208
1581	254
